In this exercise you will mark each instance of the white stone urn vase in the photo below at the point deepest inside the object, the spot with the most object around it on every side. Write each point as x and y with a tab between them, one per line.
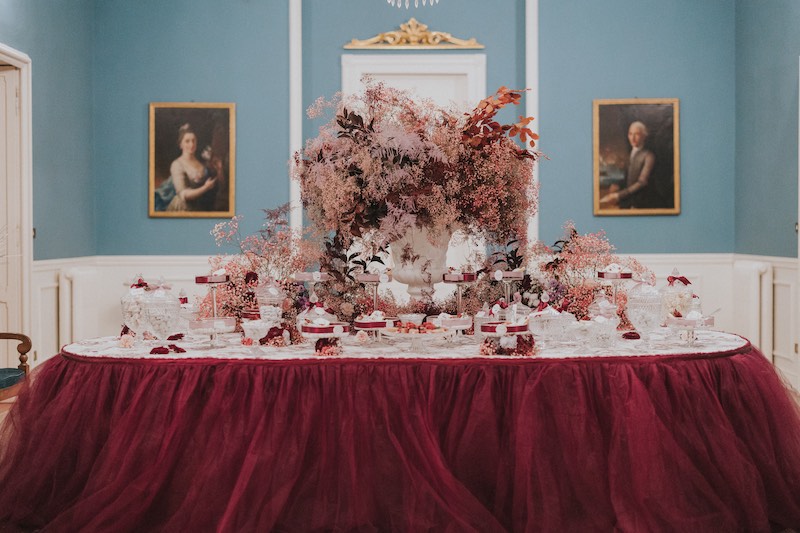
419	259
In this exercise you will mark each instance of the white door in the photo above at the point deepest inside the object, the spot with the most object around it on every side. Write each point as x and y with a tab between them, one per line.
10	211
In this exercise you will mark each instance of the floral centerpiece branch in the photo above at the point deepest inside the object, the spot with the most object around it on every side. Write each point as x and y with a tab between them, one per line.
274	252
388	161
567	271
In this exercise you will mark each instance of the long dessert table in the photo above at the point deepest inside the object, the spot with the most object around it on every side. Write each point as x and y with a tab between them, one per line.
383	438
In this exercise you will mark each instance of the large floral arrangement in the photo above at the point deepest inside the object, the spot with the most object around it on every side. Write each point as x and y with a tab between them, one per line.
388	161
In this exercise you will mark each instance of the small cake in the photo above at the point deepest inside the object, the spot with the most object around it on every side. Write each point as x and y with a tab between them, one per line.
459	277
508	275
331	328
212	278
615	271
446	320
367	277
503	328
375	320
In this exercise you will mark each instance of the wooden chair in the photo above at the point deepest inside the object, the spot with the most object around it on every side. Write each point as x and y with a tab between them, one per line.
11	378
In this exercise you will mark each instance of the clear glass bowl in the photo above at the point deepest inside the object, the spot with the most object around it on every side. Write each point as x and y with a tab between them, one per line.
256	329
644	312
134	314
213	327
163	315
414	318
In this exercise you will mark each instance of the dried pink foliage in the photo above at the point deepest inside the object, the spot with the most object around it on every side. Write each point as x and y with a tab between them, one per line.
387	161
275	251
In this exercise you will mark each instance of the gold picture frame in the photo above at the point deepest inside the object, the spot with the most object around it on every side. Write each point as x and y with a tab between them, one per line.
192	160
653	125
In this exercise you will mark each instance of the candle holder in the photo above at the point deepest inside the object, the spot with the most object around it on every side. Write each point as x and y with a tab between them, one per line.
313	278
507	277
373	280
615	277
213	281
459	278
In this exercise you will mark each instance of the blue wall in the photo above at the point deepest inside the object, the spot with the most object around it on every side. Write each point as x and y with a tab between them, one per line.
327	26
767	50
98	64
187	51
57	36
627	49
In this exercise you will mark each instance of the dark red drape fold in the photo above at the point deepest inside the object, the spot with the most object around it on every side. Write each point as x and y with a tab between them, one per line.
597	444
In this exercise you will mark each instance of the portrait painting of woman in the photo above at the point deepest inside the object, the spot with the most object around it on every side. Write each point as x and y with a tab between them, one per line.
192	160
636	157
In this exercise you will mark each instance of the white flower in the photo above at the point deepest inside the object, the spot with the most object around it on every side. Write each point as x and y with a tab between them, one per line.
508	342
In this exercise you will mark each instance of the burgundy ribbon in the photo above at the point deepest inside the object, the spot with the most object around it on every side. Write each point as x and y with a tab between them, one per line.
273	332
164	350
682	279
322	305
502	303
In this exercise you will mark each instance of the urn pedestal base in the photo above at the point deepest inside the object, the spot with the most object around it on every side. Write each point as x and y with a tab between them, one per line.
420	260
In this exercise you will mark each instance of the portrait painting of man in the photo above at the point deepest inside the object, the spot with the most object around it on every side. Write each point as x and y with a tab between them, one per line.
636	157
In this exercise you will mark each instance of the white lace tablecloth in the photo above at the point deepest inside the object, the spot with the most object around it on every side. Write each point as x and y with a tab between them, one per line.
463	347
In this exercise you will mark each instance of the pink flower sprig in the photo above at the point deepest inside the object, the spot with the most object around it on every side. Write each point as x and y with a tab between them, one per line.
275	251
572	265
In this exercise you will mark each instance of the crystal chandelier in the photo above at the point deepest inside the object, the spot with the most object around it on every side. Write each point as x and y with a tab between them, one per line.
399	3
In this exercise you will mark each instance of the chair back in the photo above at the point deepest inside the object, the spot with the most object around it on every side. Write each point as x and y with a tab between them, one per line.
11	379
23	347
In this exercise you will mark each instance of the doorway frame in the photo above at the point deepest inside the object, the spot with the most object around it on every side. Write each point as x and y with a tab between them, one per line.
471	67
22	62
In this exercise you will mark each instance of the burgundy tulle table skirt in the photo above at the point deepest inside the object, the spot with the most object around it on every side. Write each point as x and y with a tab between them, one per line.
668	443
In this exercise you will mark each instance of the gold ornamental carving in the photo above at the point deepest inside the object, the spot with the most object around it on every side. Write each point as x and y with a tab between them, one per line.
414	34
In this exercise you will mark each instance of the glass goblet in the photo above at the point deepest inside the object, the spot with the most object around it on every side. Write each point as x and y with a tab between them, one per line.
644	313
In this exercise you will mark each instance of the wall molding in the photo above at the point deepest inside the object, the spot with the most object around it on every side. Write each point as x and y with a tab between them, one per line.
430	67
532	97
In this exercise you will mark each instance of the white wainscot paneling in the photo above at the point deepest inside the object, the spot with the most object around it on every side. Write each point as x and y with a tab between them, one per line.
117	272
79	298
711	276
51	307
785	320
